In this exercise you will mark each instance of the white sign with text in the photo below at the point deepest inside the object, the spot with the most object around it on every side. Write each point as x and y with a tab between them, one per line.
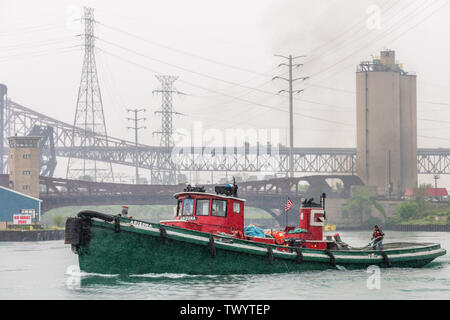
22	219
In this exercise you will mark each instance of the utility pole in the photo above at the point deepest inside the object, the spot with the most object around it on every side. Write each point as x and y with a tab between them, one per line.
436	177
291	92
136	129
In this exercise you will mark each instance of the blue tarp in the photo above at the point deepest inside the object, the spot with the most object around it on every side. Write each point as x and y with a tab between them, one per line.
254	231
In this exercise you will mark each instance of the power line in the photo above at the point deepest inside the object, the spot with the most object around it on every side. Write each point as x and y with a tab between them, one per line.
391	29
435	103
34	44
348	39
206	75
231	83
354	92
183	68
222	93
435	138
434	120
38	53
32	29
154	43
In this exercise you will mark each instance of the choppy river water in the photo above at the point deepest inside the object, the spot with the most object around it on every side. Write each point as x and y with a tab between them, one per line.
48	270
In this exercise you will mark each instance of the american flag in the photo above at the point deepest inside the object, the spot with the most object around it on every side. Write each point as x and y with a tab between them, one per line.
288	205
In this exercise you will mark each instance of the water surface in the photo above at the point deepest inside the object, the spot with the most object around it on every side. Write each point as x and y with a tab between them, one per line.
48	270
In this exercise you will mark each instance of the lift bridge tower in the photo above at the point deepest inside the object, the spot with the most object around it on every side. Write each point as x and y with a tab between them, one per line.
89	115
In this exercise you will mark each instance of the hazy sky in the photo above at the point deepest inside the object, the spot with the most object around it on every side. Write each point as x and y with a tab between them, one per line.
223	52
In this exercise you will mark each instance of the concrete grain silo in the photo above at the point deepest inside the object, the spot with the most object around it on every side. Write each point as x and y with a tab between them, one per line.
386	111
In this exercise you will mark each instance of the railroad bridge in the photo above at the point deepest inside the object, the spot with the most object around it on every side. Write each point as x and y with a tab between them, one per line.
59	141
269	195
59	137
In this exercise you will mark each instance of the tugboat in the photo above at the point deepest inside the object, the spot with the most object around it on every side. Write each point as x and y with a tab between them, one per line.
208	236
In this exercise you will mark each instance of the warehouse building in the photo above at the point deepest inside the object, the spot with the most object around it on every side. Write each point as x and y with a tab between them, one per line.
18	208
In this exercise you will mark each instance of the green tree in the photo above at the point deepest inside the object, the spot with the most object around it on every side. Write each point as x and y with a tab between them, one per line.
408	210
360	206
419	199
59	220
372	221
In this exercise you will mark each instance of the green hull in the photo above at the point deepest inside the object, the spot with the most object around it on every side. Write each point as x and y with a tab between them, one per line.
140	248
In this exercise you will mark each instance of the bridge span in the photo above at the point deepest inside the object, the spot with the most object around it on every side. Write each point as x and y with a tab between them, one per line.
61	140
269	195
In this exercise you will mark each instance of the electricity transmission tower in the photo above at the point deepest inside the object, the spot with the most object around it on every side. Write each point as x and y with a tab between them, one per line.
136	129
166	90
291	92
89	115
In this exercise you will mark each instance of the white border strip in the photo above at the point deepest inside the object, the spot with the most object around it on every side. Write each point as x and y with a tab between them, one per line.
371	257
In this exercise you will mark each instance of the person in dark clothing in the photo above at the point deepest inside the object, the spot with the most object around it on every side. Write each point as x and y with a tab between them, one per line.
378	238
124	211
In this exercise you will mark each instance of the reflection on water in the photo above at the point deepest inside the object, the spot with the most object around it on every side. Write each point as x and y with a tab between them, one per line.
49	270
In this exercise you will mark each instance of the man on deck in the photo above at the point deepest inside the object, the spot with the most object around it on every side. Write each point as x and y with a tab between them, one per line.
124	211
378	238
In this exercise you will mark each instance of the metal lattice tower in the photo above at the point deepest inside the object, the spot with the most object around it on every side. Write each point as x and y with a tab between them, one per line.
166	90
89	114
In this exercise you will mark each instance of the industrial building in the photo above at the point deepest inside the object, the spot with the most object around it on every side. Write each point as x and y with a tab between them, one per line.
18	208
386	111
20	203
24	165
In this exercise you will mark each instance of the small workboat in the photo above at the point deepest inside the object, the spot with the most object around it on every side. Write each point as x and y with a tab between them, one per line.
208	236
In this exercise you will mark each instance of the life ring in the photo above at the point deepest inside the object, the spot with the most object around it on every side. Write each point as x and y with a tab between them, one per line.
279	237
238	234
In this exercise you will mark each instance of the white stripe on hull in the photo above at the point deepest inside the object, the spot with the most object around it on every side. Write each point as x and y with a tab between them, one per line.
370	257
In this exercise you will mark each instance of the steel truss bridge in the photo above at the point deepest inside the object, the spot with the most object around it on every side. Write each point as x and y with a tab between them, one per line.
270	195
59	139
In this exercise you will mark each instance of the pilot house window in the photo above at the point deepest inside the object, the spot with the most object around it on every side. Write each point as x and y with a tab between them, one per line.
202	207
188	207
219	208
179	207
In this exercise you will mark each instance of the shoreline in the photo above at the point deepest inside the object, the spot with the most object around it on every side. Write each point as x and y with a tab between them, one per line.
403	227
33	235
